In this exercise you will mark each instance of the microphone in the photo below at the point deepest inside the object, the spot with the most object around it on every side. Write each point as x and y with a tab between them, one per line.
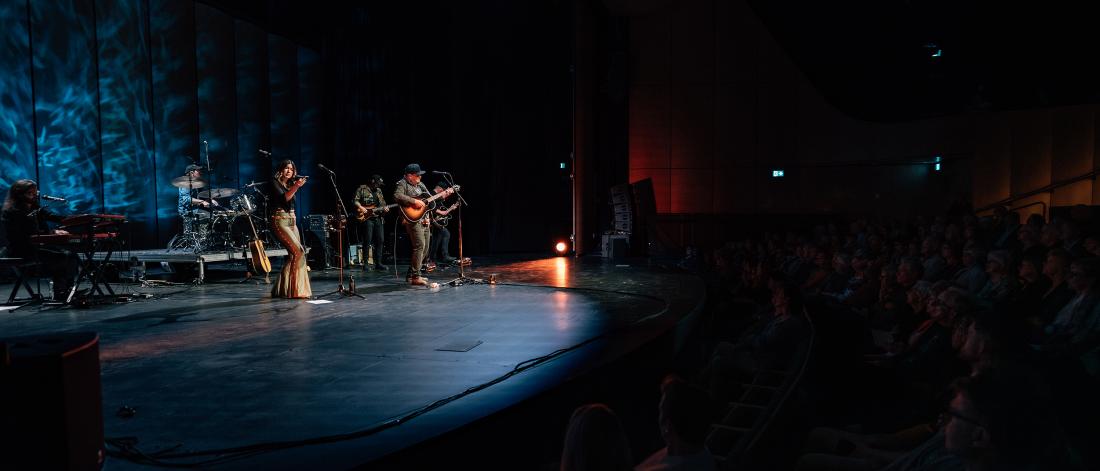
204	142
264	152
437	172
326	169
52	198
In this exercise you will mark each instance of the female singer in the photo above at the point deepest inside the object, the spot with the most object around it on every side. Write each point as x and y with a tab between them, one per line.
293	281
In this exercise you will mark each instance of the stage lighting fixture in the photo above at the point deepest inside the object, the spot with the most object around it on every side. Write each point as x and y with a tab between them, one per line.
561	248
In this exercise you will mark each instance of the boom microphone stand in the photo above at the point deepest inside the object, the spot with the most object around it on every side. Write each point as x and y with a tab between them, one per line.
341	225
462	278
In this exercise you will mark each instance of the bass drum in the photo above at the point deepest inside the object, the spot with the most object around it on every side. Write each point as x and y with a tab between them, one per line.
243	204
240	232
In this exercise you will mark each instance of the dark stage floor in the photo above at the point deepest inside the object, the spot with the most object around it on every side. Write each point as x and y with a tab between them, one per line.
223	365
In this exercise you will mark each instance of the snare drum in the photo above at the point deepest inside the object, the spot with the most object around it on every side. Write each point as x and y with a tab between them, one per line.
243	204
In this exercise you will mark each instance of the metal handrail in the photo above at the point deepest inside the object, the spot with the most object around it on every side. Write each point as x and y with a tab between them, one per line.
1033	203
1046	189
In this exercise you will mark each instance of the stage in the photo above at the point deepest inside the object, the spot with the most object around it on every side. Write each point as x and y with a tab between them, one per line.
221	365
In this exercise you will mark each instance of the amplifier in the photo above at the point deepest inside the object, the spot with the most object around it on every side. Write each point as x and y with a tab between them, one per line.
319	222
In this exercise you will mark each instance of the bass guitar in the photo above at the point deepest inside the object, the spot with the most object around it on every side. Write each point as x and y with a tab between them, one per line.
415	215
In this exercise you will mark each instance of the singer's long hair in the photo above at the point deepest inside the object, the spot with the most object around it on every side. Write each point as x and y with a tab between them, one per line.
15	195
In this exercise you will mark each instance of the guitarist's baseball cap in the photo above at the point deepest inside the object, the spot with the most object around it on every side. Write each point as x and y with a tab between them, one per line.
377	180
414	168
443	184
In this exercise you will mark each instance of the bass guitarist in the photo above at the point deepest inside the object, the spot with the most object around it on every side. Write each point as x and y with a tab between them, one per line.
369	206
441	236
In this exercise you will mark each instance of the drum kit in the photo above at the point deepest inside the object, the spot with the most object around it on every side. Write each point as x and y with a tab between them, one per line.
224	225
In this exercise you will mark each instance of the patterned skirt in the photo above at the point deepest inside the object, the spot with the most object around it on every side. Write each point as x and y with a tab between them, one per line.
293	281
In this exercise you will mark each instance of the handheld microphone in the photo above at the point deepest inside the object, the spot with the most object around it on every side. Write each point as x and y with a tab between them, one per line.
264	152
52	198
322	166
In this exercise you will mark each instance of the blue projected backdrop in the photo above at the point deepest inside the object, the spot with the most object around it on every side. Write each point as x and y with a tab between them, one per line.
103	103
126	127
16	106
66	103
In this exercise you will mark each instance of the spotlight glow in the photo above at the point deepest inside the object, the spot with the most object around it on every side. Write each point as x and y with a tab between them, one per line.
560	248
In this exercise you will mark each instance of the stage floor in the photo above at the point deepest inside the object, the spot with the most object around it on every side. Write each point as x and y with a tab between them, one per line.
223	365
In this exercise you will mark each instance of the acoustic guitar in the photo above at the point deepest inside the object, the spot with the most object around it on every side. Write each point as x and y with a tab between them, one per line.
415	215
260	262
370	211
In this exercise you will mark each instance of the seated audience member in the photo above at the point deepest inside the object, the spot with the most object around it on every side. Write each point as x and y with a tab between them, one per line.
862	291
1075	331
988	343
1033	285
892	312
1073	240
1006	238
1028	237
996	423
972	276
595	441
684	415
839	278
1050	236
1002	283
952	257
932	262
820	273
1092	246
1055	268
767	347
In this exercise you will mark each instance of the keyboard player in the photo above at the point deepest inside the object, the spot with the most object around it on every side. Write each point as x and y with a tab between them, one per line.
23	216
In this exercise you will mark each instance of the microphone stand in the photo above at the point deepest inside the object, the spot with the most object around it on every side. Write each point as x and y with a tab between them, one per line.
462	278
341	224
209	191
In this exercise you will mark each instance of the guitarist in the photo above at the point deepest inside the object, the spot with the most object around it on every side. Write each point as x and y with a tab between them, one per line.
407	193
368	197
441	236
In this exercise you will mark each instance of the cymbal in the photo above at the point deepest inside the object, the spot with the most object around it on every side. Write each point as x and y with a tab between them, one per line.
188	182
218	193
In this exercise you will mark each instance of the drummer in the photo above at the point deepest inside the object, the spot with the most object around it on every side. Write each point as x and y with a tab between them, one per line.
188	185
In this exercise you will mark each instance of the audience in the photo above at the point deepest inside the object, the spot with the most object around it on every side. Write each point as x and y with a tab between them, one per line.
595	441
684	415
998	320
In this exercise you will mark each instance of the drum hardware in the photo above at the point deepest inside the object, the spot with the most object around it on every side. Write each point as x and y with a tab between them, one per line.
217	193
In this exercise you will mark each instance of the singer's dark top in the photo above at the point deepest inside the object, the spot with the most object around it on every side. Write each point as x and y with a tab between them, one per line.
19	226
276	197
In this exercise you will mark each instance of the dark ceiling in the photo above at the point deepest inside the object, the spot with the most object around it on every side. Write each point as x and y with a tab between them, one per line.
874	59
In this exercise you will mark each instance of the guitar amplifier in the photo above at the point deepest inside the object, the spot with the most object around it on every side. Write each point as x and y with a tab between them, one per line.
322	253
319	222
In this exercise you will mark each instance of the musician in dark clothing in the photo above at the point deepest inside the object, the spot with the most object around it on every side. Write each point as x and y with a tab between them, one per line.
23	217
441	236
367	198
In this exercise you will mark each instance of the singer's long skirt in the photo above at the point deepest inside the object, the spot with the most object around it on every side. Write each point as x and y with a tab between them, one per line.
293	281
